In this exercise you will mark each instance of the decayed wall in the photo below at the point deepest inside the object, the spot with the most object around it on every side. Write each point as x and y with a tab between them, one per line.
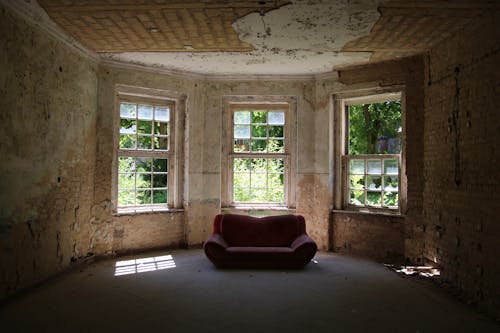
47	148
202	151
378	236
123	233
312	190
461	162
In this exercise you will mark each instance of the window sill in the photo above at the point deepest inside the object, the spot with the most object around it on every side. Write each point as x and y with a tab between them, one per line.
258	209
146	210
396	214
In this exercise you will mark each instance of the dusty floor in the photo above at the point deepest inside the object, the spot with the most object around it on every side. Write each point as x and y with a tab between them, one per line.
187	294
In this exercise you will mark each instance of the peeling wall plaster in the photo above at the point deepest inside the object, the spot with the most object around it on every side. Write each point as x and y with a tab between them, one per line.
304	37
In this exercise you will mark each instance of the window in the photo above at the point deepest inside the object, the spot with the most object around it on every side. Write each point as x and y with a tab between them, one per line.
146	177
258	154
370	155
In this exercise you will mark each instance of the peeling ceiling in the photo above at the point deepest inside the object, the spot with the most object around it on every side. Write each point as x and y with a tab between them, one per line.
240	37
303	37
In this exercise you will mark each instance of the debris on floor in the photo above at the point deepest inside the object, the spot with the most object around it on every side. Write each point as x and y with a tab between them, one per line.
424	271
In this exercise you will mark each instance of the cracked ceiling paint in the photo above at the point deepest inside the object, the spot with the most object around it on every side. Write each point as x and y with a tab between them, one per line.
303	37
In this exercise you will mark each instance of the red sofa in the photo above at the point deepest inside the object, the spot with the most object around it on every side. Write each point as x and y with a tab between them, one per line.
277	241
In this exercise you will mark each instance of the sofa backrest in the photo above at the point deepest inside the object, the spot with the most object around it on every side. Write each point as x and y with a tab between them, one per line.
242	230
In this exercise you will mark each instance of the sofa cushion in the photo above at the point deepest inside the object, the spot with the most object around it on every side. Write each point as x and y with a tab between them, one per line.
259	249
270	231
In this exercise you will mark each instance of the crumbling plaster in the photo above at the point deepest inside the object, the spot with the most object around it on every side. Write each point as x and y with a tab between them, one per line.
202	150
58	146
47	133
303	37
64	222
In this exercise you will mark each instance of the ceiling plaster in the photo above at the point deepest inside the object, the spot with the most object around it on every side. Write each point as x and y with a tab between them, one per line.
303	37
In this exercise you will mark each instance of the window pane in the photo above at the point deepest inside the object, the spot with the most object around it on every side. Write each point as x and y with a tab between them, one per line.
259	180
144	197
160	196
374	182
145	112
373	198
144	127
259	131
275	146
259	145
276	165
275	180
374	128
162	113
391	167
126	181
143	180
242	164
127	126
241	194
374	167
259	165
127	110
241	145
357	198
160	165
357	167
242	117
241	179
241	132
276	117
258	194
391	199
126	198
161	128
159	180
127	141
143	164
259	117
161	143
126	164
276	195
144	142
391	183
357	182
275	131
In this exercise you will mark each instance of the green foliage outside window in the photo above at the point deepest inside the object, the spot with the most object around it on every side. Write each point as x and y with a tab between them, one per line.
374	129
369	123
258	180
142	181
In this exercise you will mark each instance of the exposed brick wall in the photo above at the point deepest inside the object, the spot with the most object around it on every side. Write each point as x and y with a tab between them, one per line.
148	231
461	162
375	236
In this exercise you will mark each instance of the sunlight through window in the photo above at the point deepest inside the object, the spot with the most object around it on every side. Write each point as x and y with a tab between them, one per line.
142	265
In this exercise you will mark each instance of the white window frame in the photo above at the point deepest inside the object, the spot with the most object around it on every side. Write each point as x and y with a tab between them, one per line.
341	158
176	102
287	104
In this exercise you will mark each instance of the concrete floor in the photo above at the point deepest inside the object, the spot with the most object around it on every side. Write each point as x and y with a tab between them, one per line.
334	294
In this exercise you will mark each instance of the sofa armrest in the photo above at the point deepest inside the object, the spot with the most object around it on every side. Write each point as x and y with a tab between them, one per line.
217	240
304	247
301	241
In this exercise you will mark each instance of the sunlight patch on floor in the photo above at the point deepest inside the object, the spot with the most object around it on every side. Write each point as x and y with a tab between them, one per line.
143	265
